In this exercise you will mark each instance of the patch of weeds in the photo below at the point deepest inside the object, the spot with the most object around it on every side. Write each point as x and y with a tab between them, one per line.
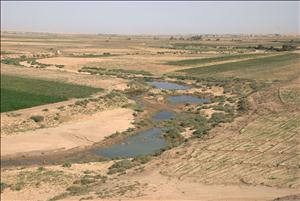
142	159
67	165
90	179
41	169
217	118
3	186
60	66
85	180
122	73
37	118
18	186
82	102
61	108
88	172
272	178
77	190
243	105
87	198
135	107
201	131
120	166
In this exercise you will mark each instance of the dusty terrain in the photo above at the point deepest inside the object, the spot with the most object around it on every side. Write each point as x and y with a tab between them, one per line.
231	164
68	77
256	157
81	132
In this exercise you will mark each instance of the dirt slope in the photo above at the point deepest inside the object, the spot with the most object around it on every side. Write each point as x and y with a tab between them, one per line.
82	132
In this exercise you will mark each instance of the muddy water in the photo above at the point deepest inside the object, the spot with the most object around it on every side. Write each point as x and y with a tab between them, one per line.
187	99
168	85
163	115
141	144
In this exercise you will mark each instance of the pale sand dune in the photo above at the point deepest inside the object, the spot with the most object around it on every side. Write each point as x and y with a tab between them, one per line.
72	134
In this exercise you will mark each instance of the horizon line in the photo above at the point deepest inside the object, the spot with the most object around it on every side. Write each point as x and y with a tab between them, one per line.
149	34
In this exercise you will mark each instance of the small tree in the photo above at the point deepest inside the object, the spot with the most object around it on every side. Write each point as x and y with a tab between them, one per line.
243	105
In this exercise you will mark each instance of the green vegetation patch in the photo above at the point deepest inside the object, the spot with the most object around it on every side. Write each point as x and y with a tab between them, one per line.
6	52
18	93
12	61
114	72
189	62
253	68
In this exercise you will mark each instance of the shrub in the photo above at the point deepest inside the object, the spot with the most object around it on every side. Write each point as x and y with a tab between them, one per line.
41	169
86	180
60	66
37	118
218	117
67	164
138	108
18	186
77	190
243	105
3	186
142	159
120	166
203	130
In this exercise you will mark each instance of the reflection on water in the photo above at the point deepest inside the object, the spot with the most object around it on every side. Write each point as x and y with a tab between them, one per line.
163	115
187	99
143	143
168	85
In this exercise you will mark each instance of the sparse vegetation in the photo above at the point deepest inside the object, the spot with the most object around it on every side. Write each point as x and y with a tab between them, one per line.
114	72
190	62
105	54
37	118
243	79
67	165
120	166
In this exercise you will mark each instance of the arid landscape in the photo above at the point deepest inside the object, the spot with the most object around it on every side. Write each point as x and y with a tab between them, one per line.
93	117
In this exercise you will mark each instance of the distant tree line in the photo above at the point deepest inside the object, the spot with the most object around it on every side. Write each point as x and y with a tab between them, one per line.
197	37
271	48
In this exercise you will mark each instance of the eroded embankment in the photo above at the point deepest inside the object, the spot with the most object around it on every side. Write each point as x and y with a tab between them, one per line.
83	132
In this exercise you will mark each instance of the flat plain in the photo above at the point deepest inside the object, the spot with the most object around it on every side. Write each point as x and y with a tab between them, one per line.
65	98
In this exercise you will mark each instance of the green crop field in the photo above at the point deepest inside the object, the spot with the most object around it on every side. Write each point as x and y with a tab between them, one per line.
18	93
273	67
189	62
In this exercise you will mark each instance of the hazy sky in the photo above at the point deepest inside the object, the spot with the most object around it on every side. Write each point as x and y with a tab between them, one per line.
151	17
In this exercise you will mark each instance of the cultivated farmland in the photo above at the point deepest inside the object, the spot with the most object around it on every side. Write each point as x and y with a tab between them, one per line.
18	93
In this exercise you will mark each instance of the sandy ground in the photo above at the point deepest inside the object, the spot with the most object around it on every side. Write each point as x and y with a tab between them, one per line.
48	190
68	77
158	187
72	134
167	188
72	61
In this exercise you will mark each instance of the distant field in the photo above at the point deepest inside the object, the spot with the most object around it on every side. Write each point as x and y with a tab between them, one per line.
18	93
189	62
259	68
92	55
